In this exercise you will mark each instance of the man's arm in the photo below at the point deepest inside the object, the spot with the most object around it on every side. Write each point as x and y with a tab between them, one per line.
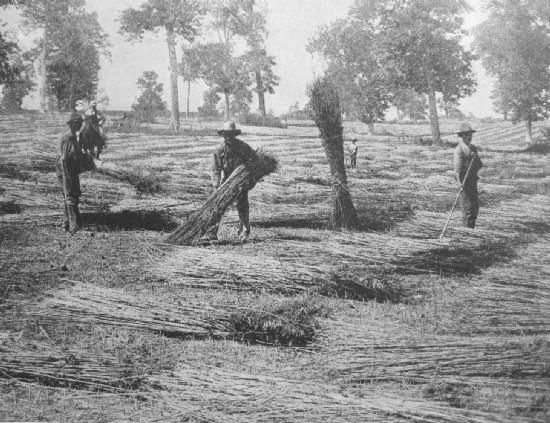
216	170
457	165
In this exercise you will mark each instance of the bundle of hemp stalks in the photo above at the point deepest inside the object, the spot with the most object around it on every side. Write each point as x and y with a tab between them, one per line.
91	304
214	394
35	361
243	178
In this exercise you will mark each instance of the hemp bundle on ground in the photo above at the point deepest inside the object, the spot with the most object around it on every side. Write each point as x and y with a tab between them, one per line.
328	118
243	178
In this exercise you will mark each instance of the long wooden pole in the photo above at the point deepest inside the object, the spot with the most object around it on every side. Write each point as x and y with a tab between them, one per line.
456	199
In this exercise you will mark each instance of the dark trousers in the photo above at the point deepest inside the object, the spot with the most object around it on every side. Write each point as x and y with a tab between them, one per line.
72	221
469	201
70	188
243	208
353	159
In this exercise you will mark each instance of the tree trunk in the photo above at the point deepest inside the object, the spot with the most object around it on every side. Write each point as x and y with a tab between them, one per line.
226	112
505	115
528	132
43	81
72	89
261	94
343	214
371	127
175	109
188	96
434	121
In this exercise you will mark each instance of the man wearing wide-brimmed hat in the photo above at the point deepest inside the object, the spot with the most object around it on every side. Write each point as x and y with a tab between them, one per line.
467	164
227	157
71	162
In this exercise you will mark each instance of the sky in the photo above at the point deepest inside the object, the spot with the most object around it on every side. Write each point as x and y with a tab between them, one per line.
291	24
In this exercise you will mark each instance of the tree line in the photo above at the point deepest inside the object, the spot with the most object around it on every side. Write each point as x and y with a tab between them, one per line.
407	53
72	42
68	53
404	53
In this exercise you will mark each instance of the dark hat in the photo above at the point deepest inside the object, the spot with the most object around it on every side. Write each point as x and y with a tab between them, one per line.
229	128
465	128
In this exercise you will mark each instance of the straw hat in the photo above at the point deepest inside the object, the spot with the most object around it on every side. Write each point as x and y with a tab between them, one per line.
229	128
465	128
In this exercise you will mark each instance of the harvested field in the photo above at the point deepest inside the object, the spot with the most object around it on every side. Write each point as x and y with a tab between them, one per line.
387	323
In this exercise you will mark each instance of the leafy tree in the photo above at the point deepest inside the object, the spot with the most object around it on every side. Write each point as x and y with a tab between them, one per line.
190	70
209	107
223	73
50	15
410	104
149	104
240	101
296	112
231	19
356	66
17	87
66	25
423	39
514	43
261	68
235	20
74	57
8	51
177	18
450	108
260	63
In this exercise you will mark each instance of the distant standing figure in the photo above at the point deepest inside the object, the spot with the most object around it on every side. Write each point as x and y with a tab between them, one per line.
464	155
227	157
353	153
71	162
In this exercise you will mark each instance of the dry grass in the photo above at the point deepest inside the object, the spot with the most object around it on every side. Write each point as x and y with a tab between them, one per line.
458	331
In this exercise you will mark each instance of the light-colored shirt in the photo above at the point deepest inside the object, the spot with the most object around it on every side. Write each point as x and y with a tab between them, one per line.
463	155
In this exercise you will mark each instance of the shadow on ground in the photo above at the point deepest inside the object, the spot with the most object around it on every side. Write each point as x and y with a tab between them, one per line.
456	260
381	218
148	220
312	222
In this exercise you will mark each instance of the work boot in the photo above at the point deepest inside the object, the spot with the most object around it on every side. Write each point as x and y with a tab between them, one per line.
243	236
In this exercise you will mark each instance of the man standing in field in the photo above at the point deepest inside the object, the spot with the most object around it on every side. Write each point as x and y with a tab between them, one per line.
71	162
227	157
353	153
467	164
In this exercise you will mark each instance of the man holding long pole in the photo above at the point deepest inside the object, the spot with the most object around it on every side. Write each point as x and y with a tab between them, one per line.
466	165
